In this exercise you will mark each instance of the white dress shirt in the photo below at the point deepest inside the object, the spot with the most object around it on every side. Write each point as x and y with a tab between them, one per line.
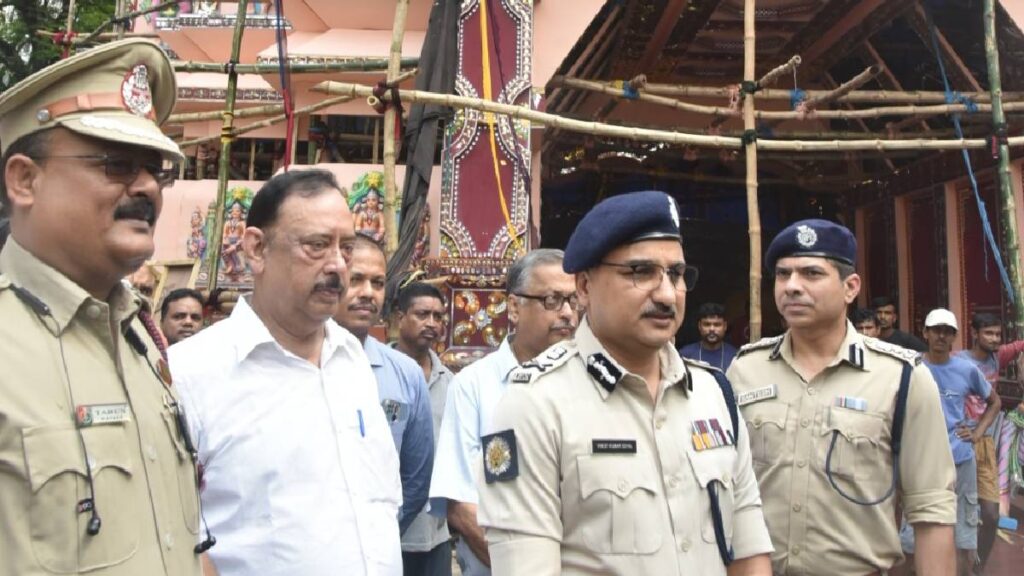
300	473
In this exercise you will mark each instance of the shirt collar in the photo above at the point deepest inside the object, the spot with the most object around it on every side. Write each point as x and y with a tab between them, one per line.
505	360
437	368
607	373
372	347
851	351
250	332
62	296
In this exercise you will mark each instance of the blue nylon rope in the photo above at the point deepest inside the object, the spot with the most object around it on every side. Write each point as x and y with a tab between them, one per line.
952	98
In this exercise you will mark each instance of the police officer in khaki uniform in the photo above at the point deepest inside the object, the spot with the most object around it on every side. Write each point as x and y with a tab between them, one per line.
96	475
610	454
840	424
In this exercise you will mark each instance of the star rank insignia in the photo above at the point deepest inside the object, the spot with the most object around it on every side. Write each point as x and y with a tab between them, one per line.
501	460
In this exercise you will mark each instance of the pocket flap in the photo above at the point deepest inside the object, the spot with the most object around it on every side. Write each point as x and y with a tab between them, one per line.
54	450
716	464
853	424
762	413
619	475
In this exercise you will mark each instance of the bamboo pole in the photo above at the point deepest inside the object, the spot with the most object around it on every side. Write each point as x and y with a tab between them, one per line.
252	159
104	36
845	88
235	132
71	20
773	75
753	211
391	123
217	114
605	88
651	135
856	96
119	27
272	67
129	16
1007	204
224	165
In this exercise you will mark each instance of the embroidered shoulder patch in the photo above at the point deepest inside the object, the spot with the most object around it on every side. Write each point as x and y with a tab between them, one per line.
501	459
912	357
761	344
547	361
602	369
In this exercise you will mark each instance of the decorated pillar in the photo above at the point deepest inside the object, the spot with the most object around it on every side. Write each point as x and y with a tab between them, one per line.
485	190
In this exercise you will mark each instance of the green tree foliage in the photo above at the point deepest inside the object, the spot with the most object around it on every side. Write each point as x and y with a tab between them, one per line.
21	51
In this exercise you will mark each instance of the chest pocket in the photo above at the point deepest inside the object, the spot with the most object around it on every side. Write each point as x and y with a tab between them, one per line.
57	475
397	415
619	511
861	446
713	471
766	422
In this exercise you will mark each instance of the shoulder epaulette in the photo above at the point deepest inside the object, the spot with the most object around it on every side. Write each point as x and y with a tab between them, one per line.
698	364
545	363
761	344
911	357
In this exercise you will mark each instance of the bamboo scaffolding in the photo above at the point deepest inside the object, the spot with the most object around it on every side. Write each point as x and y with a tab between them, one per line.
345	65
235	132
104	36
391	123
224	165
843	89
651	135
773	75
753	210
854	97
604	88
1007	202
129	16
217	114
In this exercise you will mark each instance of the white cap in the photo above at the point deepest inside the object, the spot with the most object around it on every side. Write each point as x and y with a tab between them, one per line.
941	317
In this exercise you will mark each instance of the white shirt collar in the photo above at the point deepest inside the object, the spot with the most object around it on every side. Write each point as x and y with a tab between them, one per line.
250	332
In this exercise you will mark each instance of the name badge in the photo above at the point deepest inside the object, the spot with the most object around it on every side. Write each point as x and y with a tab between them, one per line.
613	446
392	410
757	395
101	414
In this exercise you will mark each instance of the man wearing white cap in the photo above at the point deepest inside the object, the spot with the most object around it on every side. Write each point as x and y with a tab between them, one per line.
956	378
96	473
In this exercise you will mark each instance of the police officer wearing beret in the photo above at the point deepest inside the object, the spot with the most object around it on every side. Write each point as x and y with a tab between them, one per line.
96	474
841	425
609	454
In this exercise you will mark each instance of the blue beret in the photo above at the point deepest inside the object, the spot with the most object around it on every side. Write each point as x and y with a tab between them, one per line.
813	238
620	220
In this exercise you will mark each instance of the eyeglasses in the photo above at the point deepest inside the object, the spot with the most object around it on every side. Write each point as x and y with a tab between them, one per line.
553	302
125	169
647	276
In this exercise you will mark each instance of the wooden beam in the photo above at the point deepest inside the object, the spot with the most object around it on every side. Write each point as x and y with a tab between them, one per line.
963	78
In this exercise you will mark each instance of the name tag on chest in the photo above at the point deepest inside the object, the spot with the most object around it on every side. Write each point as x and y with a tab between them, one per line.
757	395
613	446
102	414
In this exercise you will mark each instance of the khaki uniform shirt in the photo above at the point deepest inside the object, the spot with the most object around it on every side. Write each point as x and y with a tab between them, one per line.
78	356
792	423
610	481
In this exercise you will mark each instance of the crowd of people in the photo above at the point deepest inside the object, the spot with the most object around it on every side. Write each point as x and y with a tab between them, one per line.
286	439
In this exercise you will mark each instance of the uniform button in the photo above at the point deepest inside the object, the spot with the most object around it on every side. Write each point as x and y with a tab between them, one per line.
659	423
151	453
796	550
672	483
812	391
685	546
801	463
757	420
92	311
168	540
796	507
725	479
805	422
623	485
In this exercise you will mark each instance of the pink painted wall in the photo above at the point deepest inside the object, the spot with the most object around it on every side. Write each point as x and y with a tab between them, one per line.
187	195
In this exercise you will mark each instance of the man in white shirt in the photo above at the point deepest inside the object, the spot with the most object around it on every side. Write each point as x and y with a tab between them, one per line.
300	474
542	310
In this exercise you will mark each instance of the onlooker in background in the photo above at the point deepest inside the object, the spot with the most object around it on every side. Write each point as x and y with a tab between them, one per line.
991	358
865	320
542	311
400	383
181	314
956	379
425	546
711	348
888	317
300	473
145	280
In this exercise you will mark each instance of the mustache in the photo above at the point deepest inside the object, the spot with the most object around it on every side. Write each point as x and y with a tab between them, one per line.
429	334
136	209
367	306
563	326
332	283
657	310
